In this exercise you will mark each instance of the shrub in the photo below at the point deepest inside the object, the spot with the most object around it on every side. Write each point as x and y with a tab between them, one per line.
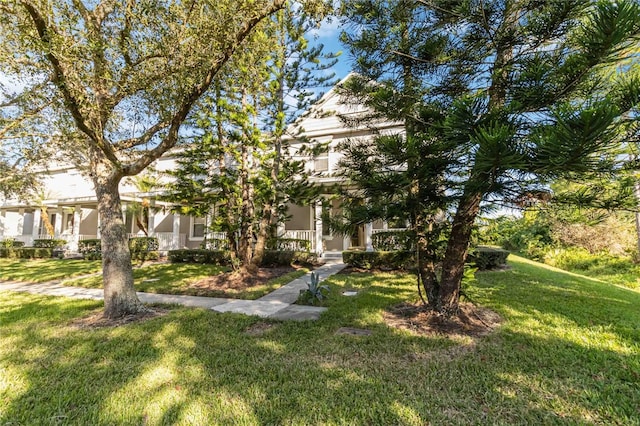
141	248
314	292
488	257
10	242
212	257
288	257
392	241
144	248
26	252
49	243
90	249
399	259
289	244
216	244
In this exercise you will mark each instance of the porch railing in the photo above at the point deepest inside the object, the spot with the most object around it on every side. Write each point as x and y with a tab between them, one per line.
302	234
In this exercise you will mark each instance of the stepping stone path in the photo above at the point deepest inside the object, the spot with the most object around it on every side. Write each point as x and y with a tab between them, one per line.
276	305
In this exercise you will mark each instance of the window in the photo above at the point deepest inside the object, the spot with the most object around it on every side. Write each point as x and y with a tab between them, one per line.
321	161
198	225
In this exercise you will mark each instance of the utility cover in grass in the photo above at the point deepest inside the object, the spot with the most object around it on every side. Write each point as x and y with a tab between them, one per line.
354	331
349	293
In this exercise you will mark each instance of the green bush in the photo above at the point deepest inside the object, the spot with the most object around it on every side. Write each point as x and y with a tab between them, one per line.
144	248
26	253
488	257
212	257
392	241
289	244
288	257
399	259
90	249
10	242
141	248
49	243
216	244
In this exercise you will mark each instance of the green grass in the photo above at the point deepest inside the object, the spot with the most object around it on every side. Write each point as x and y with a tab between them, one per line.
612	269
568	353
177	278
42	270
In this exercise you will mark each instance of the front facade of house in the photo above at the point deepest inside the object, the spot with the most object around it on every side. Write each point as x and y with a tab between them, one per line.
71	206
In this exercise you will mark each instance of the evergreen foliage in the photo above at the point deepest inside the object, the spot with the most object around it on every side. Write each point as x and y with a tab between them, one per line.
239	168
498	99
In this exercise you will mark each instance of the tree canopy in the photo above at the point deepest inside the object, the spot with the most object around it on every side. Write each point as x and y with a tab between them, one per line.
110	84
509	93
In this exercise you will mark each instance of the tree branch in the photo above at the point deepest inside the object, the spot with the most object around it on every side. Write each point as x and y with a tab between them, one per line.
191	98
60	80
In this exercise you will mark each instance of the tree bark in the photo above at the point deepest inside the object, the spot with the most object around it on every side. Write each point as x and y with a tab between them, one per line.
120	297
456	253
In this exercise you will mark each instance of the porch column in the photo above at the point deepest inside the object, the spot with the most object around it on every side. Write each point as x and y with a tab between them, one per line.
368	231
20	222
123	207
35	231
176	231
346	242
151	223
280	229
318	219
76	228
3	221
57	226
98	226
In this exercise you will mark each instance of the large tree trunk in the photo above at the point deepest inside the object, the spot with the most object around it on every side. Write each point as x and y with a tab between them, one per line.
117	274
456	254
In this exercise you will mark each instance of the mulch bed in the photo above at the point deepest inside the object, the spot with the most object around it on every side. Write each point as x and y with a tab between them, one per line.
98	320
473	321
236	280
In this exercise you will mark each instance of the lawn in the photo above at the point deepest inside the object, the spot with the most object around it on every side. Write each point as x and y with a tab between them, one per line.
180	278
42	270
567	353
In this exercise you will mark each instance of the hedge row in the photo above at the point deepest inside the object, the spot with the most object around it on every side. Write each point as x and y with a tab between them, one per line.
141	248
378	259
482	257
488	257
392	241
222	257
26	252
49	243
10	242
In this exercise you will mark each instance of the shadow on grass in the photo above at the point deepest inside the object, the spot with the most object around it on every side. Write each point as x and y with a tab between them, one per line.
199	367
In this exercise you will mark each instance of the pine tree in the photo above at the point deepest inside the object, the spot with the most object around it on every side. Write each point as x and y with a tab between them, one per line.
508	94
245	170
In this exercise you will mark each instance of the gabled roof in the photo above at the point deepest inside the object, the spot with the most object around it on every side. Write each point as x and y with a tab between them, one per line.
324	118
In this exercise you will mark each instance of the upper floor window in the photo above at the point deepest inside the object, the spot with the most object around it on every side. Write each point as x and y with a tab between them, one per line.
321	161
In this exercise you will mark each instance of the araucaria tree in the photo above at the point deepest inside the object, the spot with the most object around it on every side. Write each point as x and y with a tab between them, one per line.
117	79
237	164
508	93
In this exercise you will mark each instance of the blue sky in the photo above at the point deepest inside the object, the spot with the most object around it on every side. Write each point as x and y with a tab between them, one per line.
328	34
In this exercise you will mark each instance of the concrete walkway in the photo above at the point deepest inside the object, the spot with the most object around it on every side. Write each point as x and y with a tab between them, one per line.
276	305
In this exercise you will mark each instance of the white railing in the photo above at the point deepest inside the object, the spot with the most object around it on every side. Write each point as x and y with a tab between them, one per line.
165	240
375	231
302	234
83	237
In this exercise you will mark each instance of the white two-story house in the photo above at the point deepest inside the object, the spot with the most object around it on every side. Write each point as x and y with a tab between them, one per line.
71	206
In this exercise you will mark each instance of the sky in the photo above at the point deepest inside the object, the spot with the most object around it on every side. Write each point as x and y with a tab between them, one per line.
327	35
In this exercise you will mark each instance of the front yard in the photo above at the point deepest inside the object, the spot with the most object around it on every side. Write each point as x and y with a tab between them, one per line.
568	352
166	278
